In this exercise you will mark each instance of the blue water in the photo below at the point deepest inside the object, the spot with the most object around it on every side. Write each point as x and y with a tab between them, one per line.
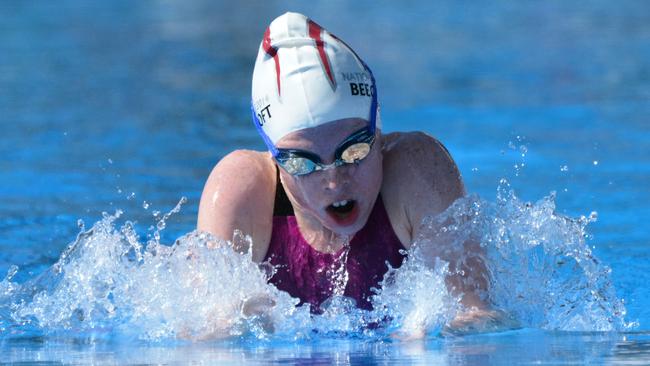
128	105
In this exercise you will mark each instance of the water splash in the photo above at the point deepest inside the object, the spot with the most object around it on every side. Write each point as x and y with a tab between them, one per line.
519	146
108	283
541	270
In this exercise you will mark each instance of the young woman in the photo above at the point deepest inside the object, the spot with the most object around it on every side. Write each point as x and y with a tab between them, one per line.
331	186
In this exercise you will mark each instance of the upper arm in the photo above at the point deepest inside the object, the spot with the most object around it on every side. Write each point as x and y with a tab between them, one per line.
427	180
239	195
431	182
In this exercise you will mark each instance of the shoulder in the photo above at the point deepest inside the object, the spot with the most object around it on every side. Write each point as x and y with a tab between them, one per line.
421	157
400	145
420	176
245	166
239	195
239	175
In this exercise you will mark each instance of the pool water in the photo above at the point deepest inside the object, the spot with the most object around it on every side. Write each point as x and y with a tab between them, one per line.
114	113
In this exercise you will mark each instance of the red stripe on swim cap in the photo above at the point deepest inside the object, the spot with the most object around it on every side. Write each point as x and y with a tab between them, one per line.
315	31
273	52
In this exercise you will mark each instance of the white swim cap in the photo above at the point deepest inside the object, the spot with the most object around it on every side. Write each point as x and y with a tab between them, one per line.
304	77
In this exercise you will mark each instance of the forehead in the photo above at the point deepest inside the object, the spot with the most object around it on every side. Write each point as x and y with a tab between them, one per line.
323	138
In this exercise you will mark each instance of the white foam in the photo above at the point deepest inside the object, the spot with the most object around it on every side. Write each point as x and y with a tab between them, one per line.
110	284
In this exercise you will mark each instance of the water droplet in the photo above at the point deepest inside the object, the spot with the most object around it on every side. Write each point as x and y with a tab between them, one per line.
110	161
13	269
595	162
564	168
523	149
475	169
145	205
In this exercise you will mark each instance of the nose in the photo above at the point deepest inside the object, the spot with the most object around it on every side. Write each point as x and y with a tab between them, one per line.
336	177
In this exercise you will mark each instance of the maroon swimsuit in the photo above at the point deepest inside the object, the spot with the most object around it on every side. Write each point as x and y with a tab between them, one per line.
310	275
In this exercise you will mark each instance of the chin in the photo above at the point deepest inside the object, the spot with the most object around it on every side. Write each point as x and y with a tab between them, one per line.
347	230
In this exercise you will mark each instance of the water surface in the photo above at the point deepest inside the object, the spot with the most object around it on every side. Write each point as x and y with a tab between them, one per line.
123	105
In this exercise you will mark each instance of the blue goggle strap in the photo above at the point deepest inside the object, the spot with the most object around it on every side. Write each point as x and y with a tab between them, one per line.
260	130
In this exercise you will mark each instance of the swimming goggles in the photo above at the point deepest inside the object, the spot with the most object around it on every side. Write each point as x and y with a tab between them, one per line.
351	151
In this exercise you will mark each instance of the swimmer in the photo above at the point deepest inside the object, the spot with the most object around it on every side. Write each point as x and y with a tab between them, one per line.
331	183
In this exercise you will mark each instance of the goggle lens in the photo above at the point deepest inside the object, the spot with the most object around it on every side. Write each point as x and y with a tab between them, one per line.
354	149
355	152
298	165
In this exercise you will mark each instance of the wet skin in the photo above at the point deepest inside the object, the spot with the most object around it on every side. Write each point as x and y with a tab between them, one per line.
413	171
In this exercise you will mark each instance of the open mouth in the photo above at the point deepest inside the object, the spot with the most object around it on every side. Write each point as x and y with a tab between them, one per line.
343	212
341	207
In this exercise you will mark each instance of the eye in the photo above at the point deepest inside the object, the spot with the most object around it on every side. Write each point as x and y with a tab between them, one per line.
355	152
298	166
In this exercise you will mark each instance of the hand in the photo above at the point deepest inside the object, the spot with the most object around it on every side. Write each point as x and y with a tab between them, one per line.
257	305
259	308
255	309
477	320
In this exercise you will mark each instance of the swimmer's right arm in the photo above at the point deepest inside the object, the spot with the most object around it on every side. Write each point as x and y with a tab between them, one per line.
239	195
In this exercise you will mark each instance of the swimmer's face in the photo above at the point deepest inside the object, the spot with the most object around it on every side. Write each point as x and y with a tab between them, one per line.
340	198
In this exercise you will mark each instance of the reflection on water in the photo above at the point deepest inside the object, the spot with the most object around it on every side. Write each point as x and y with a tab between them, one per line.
632	349
521	347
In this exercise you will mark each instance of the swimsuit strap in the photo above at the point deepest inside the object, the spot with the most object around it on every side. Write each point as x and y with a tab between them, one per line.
282	206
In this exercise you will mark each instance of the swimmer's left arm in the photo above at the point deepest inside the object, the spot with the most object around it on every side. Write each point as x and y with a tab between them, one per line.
420	179
436	183
429	182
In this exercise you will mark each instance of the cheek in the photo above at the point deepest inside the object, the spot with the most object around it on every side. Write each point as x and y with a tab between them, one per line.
303	191
369	174
309	194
